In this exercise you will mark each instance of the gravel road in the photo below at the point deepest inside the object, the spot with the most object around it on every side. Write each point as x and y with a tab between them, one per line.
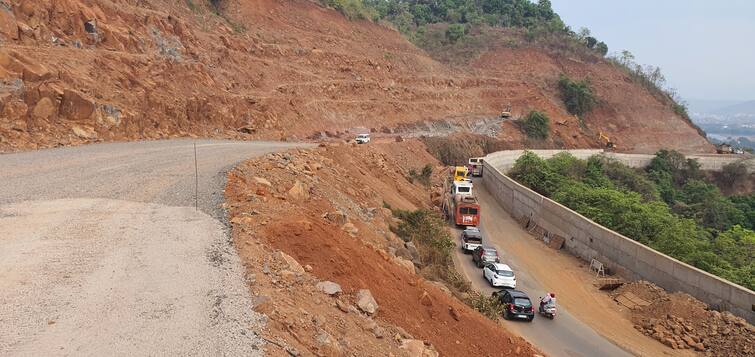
565	335
103	253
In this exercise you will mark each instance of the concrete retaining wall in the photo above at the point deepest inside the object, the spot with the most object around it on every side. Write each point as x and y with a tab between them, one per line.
587	240
504	160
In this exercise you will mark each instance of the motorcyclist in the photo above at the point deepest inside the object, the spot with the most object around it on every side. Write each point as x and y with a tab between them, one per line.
549	298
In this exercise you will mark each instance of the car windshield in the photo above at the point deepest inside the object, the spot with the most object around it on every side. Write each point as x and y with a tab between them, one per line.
465	189
472	211
491	253
473	239
522	302
506	273
363	136
474	233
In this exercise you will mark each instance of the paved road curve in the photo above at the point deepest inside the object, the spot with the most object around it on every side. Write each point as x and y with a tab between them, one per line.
563	336
102	252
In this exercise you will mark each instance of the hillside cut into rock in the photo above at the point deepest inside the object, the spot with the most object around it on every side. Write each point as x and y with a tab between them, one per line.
78	71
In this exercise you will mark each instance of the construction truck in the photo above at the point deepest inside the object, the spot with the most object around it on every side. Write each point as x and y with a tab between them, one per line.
607	141
724	149
459	203
461	173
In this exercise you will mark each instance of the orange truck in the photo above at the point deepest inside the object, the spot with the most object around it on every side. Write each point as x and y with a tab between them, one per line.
460	205
466	211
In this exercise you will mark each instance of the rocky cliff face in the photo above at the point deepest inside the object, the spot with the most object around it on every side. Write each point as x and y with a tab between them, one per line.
76	71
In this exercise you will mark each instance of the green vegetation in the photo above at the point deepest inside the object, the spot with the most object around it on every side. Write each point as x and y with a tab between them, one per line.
428	232
535	21
668	207
353	9
455	32
489	306
423	177
536	125
578	96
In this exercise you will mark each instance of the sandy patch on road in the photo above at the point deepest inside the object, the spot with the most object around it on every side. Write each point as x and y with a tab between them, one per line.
109	277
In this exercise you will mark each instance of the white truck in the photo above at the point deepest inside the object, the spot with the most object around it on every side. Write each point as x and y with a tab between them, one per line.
475	166
363	138
463	188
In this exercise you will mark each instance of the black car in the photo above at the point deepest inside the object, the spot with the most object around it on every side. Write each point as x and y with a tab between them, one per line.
484	255
516	305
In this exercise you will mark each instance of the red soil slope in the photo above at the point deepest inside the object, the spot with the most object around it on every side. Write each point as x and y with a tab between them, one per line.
75	71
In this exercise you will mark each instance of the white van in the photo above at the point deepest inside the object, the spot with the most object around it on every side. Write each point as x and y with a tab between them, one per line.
363	138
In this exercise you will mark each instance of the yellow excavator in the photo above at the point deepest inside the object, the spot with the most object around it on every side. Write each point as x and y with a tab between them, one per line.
608	143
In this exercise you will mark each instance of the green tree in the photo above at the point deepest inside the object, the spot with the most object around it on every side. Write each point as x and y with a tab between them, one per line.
455	32
536	125
708	237
736	246
535	173
565	164
602	48
629	179
732	173
578	96
590	42
704	203
746	204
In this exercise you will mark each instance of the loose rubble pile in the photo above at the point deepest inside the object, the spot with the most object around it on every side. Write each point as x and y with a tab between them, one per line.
682	322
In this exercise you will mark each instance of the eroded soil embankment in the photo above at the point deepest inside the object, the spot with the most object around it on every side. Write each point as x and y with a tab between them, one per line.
324	208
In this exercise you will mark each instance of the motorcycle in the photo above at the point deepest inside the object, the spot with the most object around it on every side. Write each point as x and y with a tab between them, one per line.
548	310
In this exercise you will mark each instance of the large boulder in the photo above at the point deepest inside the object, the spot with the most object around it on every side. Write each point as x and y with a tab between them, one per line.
329	287
412	250
298	191
366	302
8	26
350	228
406	264
84	132
44	109
417	348
75	106
338	217
262	181
291	263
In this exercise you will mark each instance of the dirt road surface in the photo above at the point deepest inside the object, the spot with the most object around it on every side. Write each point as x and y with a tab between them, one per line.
103	253
588	323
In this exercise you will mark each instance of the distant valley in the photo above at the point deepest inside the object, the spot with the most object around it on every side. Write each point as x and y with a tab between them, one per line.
727	121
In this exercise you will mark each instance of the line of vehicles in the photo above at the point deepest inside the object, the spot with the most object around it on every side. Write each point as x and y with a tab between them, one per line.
461	208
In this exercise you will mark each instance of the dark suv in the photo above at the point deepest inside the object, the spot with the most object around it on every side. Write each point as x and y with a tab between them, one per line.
484	255
516	305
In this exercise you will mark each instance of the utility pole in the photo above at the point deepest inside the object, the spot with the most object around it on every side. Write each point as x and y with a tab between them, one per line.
196	179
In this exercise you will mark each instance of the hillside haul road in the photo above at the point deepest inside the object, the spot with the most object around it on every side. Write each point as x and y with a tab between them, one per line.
103	253
588	322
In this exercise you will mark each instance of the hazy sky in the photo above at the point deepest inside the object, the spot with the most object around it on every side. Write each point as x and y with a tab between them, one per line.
705	48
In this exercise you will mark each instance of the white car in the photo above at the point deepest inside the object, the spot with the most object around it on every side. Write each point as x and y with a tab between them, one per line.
499	274
363	138
471	238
